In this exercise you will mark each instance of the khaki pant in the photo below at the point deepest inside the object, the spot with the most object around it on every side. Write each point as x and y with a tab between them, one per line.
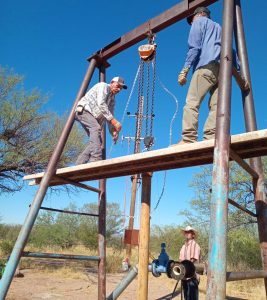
204	80
93	128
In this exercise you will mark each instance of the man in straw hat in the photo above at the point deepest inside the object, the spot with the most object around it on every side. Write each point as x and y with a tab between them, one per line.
190	251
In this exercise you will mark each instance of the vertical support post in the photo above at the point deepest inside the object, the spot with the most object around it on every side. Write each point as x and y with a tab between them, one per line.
102	213
40	194
135	178
251	125
216	288
132	212
144	237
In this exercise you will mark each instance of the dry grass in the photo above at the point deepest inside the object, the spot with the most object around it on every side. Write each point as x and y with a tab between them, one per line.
66	272
114	259
247	289
78	250
243	290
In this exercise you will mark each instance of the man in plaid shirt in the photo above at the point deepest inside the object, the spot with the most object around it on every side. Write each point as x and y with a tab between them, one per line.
92	111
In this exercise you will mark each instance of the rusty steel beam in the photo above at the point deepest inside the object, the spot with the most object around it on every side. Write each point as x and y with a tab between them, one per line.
78	184
216	285
156	24
241	208
37	202
68	211
102	213
59	256
236	276
243	164
251	125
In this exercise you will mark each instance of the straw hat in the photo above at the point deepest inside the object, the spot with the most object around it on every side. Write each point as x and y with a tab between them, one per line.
189	228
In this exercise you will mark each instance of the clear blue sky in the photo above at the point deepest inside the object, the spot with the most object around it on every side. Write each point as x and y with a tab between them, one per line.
49	41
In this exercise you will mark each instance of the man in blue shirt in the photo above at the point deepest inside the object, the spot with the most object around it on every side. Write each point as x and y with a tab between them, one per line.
203	58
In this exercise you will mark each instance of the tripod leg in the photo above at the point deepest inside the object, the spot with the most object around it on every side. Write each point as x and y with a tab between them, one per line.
175	288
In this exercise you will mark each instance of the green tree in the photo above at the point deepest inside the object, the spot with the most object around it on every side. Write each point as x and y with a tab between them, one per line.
45	231
242	243
240	190
70	226
28	134
169	234
8	235
243	249
89	225
66	230
56	229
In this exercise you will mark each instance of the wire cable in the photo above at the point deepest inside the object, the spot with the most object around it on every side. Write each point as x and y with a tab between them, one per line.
126	107
170	135
176	106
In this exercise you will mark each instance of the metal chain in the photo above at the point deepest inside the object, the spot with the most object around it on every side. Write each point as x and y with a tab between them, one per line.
153	94
140	95
147	96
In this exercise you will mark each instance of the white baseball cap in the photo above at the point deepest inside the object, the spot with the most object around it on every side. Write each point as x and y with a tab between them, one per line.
120	80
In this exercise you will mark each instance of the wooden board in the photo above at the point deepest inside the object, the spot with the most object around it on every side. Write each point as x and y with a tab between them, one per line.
246	145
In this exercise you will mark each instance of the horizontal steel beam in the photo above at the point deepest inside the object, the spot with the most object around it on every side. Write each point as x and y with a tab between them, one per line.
242	208
162	21
69	212
243	164
78	184
59	256
235	276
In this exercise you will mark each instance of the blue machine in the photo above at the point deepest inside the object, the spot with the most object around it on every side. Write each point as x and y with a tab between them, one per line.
173	269
160	265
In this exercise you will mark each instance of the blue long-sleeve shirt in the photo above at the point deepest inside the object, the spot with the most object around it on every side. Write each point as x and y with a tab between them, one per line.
204	43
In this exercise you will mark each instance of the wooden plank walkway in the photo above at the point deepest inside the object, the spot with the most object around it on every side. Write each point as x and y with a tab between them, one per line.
246	145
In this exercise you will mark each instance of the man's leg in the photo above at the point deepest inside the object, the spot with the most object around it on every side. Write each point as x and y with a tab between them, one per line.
185	289
93	151
209	128
201	82
192	289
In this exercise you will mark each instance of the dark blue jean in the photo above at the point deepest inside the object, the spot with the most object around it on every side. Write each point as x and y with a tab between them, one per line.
190	288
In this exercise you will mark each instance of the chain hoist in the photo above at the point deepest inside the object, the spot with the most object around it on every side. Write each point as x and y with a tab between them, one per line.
147	55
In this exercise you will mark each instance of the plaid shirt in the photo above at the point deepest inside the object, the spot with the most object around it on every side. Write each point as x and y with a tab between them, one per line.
99	101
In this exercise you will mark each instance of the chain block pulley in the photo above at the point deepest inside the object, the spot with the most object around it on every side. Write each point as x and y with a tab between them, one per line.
147	51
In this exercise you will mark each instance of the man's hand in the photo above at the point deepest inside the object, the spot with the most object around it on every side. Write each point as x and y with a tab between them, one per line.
182	76
116	124
115	136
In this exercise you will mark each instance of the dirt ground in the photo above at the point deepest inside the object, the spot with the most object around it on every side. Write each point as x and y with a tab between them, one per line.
65	284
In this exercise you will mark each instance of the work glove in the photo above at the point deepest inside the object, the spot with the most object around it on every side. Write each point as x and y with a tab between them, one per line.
116	124
115	136
182	76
